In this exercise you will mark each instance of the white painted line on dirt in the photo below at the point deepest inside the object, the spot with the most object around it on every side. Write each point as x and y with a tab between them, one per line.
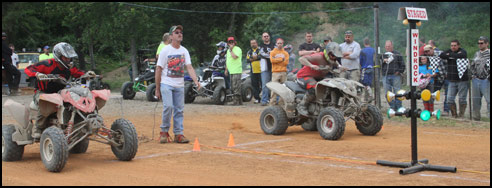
449	134
264	141
455	177
161	154
302	162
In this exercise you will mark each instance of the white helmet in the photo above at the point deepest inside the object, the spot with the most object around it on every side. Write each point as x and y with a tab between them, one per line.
63	49
223	45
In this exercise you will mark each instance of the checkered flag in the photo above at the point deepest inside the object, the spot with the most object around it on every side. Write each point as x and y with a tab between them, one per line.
462	65
434	63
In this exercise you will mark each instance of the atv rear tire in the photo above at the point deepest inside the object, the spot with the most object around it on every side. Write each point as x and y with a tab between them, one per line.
219	96
126	135
371	120
310	125
273	120
150	92
81	147
127	90
188	92
10	150
331	124
54	149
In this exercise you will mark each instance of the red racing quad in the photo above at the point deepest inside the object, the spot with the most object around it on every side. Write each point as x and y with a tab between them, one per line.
73	120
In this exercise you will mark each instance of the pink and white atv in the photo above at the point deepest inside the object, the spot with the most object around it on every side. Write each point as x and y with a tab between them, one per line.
73	120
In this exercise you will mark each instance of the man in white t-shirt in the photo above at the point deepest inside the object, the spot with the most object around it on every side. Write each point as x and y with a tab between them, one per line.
169	76
15	57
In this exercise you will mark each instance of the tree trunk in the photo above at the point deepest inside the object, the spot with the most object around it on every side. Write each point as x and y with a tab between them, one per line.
231	25
91	53
133	57
78	35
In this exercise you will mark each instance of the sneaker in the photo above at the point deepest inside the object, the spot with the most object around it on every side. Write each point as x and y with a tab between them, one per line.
257	101
165	138
180	139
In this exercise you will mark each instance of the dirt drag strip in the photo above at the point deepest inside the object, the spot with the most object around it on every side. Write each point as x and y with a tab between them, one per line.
176	164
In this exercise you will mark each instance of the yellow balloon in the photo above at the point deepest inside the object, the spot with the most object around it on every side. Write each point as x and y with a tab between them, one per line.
405	22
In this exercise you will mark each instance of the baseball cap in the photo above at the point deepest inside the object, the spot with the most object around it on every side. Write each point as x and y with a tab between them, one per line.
427	47
485	39
328	38
4	34
348	32
230	38
46	47
173	28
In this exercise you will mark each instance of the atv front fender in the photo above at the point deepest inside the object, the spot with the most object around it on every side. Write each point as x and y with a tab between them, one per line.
287	96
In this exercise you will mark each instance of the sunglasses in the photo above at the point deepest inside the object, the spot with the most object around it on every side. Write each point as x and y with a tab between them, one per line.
178	32
480	43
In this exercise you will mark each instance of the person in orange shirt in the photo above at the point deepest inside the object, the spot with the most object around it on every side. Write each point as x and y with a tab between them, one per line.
280	59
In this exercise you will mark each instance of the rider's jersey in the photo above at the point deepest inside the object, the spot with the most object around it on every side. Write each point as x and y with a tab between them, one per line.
219	61
308	72
50	66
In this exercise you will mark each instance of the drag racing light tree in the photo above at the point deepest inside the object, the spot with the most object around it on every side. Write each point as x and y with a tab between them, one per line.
413	16
425	95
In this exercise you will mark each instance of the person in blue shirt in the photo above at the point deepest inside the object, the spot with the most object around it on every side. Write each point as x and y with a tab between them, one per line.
366	65
427	72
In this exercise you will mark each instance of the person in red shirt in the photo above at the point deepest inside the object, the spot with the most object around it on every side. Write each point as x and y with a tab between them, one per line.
310	74
59	65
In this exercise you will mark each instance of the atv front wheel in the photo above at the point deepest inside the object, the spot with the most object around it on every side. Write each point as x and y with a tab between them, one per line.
188	92
10	150
54	149
125	135
246	91
331	124
127	90
273	120
219	95
370	121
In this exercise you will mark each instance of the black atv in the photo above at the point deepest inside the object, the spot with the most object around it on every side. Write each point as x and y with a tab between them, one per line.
145	82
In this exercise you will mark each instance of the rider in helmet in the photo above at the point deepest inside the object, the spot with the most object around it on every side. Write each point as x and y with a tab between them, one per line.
220	60
63	53
310	74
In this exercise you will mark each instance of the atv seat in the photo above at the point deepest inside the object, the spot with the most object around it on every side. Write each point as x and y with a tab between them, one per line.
295	87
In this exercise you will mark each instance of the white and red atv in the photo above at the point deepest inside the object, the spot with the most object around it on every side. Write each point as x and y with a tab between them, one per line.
72	121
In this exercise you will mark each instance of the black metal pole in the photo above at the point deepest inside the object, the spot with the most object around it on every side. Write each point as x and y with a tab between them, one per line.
377	65
413	25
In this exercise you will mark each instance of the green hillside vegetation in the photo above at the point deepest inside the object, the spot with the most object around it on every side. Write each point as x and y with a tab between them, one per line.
106	35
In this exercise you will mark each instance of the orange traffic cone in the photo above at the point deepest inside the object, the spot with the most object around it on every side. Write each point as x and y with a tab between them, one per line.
231	141
196	146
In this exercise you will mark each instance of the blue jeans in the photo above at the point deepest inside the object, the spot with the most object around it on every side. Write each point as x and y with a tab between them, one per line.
173	106
480	88
392	83
446	86
460	88
265	92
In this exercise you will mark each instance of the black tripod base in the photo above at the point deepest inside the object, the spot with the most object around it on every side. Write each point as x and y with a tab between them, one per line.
422	165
